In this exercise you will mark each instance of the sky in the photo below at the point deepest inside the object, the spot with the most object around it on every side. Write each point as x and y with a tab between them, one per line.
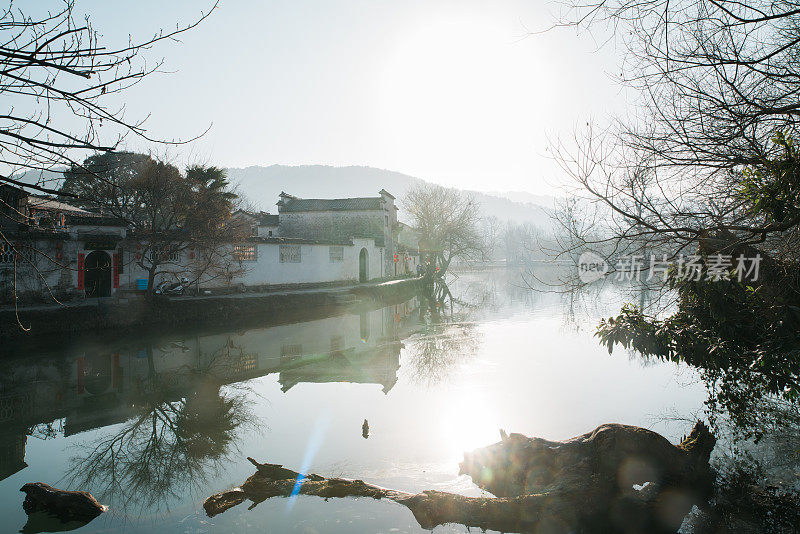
455	92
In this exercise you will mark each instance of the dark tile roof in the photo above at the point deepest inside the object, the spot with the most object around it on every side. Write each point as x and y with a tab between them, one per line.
334	204
261	218
267	219
51	204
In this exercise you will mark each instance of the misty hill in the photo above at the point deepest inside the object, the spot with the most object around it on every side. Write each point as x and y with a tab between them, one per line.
262	185
51	179
523	197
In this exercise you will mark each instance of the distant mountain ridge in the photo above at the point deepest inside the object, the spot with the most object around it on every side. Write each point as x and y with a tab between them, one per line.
262	185
523	197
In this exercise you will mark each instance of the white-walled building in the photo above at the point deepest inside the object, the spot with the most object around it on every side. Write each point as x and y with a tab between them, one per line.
77	253
53	249
297	261
309	241
338	219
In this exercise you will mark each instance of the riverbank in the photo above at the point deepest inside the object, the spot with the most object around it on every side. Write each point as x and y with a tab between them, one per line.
124	316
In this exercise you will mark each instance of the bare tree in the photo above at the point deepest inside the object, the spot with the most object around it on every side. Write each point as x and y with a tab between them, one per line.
58	82
179	223
708	164
56	78
175	440
446	221
718	84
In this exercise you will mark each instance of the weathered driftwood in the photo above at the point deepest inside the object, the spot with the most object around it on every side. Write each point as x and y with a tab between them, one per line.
66	505
583	484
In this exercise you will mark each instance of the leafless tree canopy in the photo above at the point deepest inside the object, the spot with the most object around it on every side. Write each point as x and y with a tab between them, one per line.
717	81
446	221
56	76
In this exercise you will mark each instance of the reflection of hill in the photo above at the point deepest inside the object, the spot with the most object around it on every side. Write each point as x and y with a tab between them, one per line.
373	366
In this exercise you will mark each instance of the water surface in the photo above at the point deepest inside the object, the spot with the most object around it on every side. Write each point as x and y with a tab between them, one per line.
154	425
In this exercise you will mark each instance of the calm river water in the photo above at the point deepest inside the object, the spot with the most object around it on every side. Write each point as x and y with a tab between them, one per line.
153	426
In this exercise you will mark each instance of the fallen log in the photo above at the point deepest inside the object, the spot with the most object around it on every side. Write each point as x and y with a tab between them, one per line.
616	478
66	505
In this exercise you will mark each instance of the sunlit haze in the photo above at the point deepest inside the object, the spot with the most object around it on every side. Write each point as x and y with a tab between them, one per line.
457	93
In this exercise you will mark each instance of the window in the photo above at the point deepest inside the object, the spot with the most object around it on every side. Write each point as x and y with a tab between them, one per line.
245	252
165	256
336	254
290	253
24	252
269	233
244	363
337	344
6	253
290	352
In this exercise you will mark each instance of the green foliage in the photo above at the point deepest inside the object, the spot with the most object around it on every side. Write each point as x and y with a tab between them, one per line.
211	191
166	210
745	340
772	188
100	181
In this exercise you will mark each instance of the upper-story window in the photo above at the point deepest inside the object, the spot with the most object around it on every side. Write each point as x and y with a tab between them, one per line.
290	253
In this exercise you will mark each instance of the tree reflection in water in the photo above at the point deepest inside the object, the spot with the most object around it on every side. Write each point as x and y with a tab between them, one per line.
178	440
446	337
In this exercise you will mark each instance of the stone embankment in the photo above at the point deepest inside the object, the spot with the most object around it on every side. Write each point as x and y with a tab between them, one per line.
134	315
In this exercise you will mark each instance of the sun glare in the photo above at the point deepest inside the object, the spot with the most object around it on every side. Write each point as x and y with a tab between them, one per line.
457	87
469	423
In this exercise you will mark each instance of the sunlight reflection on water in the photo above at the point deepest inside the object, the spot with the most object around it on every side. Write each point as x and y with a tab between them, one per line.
431	389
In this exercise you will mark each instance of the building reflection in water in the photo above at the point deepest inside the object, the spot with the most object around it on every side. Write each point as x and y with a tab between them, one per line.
177	399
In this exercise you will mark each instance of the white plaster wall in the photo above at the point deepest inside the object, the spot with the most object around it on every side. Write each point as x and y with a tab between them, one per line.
132	271
315	265
314	337
48	272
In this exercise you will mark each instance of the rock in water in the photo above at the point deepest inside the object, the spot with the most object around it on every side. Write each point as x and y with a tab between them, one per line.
365	429
66	505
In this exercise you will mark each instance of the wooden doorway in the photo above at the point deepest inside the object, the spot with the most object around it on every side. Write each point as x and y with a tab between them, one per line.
98	274
363	265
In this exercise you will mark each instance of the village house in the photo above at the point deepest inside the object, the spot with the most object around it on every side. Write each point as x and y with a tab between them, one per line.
322	241
337	219
54	248
261	224
51	249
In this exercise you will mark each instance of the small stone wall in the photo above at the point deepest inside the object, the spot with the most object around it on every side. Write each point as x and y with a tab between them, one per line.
109	316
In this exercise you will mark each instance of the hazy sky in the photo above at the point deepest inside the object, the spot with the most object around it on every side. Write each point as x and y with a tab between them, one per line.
447	91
